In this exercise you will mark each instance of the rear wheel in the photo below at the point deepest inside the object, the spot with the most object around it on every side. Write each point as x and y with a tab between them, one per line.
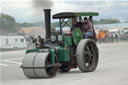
87	55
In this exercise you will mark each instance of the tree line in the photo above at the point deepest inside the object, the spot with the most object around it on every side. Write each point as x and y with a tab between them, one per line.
9	25
107	21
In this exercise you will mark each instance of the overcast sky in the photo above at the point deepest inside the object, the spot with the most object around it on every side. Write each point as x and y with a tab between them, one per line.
31	11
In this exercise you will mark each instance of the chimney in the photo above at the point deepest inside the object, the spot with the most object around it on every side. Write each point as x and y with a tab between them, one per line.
47	14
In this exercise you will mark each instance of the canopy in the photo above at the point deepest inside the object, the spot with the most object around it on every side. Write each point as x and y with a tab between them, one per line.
73	14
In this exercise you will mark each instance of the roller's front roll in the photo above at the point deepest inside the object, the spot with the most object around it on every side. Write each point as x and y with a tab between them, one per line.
35	65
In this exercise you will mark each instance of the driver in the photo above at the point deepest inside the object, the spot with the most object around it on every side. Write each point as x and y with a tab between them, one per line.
76	24
87	28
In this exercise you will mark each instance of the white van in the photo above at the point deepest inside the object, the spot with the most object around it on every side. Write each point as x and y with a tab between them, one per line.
10	42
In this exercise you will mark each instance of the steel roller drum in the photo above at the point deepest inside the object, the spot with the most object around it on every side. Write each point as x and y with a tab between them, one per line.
28	61
34	63
40	61
77	35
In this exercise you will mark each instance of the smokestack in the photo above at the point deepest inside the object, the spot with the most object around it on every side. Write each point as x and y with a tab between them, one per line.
47	14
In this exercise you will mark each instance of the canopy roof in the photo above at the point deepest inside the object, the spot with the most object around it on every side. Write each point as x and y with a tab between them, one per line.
73	14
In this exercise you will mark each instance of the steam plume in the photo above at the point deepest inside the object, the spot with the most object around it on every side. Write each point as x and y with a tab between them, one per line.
42	3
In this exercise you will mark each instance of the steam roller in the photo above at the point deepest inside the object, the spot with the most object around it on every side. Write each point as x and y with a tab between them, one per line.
61	51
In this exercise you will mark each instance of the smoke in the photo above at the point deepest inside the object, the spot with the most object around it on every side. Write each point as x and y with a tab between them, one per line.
39	5
43	4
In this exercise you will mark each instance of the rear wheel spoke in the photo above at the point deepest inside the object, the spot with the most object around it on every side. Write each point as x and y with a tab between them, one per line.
88	48
85	53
